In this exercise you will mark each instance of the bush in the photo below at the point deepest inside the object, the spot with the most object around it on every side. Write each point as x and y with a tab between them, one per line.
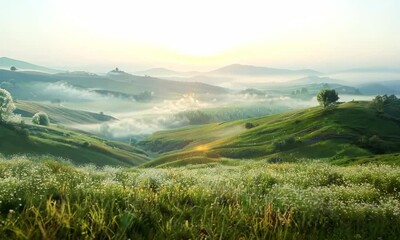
41	118
375	144
249	125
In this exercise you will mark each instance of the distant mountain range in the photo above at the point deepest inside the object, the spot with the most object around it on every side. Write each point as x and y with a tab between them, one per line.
371	70
233	69
249	70
200	81
383	87
165	72
7	63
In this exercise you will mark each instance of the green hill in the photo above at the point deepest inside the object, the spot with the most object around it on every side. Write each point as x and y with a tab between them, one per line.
58	114
78	147
348	131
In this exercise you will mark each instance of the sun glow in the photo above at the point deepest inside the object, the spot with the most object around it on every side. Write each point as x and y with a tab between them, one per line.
201	28
187	34
202	148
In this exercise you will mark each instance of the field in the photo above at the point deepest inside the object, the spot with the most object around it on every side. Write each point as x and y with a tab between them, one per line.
48	199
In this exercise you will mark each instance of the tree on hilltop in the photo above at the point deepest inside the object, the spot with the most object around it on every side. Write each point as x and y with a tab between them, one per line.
327	97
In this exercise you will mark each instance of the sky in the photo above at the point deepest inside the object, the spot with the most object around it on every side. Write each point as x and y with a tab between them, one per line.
202	35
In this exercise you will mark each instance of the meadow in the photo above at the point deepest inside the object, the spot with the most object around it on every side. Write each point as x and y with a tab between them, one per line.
48	198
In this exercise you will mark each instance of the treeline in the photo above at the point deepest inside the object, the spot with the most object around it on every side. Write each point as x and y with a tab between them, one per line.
195	117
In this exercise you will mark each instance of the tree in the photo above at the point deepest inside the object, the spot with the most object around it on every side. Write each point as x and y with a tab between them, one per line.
6	104
378	103
327	96
13	68
41	118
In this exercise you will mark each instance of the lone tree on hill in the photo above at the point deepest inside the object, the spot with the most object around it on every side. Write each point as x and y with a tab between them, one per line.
6	104
326	97
378	103
41	118
13	68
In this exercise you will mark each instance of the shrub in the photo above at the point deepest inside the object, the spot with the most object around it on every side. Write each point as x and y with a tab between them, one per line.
41	118
249	125
374	144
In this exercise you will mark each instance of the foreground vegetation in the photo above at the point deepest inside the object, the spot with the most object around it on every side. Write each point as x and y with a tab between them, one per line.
48	199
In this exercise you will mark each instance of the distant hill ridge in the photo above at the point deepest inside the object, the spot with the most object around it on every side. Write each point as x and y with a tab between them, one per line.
233	69
240	69
6	63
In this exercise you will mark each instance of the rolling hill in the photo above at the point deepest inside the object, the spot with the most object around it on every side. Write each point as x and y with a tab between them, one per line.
6	63
79	147
349	131
58	114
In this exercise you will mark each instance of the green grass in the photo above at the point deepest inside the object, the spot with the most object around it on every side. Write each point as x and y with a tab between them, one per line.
60	114
79	147
315	133
46	199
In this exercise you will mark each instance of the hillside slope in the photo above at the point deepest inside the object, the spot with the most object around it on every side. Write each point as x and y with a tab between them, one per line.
58	114
78	147
350	130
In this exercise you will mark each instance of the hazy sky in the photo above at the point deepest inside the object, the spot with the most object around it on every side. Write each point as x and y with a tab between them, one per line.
201	35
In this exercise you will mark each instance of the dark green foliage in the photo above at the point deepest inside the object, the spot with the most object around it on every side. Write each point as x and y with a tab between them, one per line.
13	68
382	103
249	125
378	104
373	143
326	97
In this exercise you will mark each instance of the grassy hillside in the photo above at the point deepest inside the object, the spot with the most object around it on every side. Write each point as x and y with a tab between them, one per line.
47	199
80	148
350	130
58	114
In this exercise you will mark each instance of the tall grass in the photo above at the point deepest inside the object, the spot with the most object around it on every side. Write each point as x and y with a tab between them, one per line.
47	199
